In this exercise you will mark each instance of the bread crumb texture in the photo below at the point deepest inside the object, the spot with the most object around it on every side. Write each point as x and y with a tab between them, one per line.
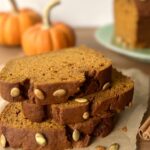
55	67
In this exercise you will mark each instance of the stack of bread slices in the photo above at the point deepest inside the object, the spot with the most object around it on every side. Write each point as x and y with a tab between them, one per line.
61	100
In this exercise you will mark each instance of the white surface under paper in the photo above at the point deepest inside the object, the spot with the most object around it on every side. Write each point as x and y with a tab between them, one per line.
130	118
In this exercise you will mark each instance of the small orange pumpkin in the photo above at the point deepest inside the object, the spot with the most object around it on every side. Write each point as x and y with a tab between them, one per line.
13	24
48	36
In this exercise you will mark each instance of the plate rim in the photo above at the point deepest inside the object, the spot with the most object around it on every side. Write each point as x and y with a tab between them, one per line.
116	49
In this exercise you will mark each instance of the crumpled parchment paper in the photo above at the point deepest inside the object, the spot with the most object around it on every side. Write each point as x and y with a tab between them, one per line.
130	118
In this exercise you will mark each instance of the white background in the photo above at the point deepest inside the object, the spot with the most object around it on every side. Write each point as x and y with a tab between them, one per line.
74	12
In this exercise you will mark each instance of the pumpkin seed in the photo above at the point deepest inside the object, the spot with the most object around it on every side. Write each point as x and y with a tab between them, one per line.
59	93
3	141
39	94
15	92
76	135
40	139
81	100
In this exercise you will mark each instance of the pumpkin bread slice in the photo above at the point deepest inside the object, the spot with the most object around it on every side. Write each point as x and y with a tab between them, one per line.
102	104
18	132
55	77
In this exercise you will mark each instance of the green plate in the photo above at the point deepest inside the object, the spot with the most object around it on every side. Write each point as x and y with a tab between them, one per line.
105	35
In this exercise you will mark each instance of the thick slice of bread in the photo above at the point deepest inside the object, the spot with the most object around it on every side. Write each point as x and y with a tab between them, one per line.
19	132
55	77
102	104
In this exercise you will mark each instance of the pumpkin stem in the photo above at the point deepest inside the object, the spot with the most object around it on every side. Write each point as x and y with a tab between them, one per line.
47	11
14	5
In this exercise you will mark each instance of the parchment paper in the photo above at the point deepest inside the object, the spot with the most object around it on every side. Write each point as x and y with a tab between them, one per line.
130	118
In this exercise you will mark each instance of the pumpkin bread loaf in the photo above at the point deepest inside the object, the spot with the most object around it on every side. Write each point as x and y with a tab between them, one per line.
55	77
132	21
102	104
18	132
